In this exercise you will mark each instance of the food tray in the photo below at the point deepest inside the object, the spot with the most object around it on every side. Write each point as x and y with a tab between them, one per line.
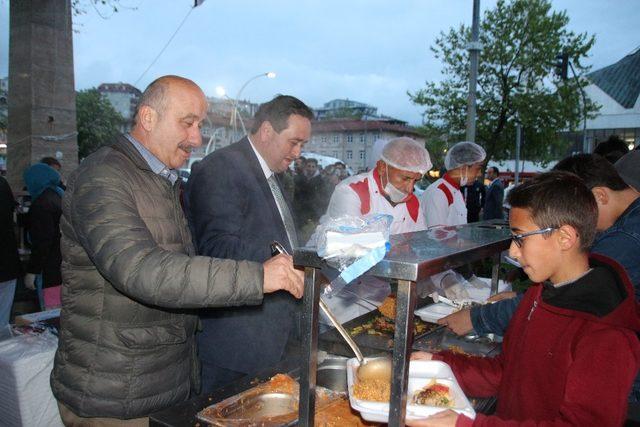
262	406
434	312
483	346
421	373
370	345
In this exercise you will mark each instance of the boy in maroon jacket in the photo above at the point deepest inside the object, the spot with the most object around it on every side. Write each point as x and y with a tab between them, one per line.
571	351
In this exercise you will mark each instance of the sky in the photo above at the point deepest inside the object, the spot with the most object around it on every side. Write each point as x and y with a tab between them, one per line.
372	51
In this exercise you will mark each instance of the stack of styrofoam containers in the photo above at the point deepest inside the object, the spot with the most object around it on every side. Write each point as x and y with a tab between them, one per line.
434	312
25	394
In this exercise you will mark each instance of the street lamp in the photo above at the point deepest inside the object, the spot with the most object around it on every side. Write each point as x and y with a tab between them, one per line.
235	112
220	91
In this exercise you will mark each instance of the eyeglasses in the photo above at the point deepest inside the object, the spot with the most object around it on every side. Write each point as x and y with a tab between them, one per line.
518	239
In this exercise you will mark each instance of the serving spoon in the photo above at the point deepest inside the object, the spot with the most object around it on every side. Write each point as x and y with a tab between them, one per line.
370	368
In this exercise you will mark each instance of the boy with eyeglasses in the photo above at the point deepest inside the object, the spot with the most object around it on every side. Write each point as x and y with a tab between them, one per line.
571	352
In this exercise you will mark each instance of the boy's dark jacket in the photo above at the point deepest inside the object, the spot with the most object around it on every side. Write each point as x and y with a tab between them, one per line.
569	356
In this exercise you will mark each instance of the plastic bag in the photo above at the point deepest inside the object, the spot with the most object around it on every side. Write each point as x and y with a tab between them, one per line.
463	292
353	245
342	239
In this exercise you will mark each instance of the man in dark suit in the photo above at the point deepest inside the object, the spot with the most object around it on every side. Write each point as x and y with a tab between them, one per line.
474	194
236	208
494	195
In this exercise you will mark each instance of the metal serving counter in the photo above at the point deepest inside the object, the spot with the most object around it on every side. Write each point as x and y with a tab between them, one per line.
413	257
185	414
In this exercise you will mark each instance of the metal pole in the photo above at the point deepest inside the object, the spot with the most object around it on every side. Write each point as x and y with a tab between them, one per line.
474	52
403	340
495	274
235	113
517	169
309	352
207	150
585	143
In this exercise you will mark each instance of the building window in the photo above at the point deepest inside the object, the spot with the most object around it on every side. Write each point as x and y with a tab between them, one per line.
361	154
362	138
324	138
335	154
336	138
349	154
349	137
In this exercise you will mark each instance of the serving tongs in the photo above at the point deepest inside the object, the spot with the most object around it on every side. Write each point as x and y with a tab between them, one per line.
451	303
374	368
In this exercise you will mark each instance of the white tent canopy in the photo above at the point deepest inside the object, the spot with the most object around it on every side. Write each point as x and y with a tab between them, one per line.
525	166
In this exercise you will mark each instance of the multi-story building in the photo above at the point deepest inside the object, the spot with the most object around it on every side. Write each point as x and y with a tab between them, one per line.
343	108
124	98
352	140
347	130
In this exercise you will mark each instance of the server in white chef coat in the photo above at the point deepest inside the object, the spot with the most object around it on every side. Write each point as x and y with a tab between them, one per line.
442	201
387	189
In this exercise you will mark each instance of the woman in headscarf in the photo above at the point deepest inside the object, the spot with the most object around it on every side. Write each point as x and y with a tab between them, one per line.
43	184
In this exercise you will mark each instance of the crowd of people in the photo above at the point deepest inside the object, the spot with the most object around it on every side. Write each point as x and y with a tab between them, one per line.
42	273
167	291
312	190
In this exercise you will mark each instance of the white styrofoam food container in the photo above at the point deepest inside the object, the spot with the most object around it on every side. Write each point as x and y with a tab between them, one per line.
434	312
421	373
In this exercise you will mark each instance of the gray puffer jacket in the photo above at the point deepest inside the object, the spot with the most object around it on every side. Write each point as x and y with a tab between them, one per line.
127	344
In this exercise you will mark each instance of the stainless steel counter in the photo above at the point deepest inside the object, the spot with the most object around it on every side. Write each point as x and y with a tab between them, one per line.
416	256
413	257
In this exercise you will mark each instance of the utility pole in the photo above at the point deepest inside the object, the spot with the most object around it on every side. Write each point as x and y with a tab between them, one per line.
518	142
562	65
585	142
474	47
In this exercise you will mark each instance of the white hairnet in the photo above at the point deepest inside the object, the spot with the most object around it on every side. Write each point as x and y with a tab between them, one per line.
464	153
406	154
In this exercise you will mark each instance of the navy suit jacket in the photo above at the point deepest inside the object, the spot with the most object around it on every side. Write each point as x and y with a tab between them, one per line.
233	215
493	201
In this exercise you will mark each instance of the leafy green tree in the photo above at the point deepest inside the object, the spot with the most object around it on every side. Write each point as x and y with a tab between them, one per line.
98	122
79	7
437	142
521	40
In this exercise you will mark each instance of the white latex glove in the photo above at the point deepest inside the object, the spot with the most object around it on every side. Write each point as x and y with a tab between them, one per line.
30	281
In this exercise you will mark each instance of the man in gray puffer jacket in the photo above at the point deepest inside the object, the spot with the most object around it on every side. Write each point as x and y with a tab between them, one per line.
130	273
